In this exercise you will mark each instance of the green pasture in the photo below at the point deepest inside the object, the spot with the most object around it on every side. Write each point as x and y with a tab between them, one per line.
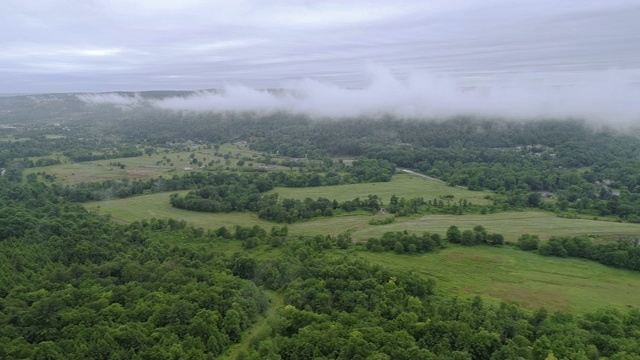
499	273
139	167
509	224
401	185
528	279
158	206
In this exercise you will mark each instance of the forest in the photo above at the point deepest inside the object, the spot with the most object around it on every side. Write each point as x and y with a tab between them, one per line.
81	284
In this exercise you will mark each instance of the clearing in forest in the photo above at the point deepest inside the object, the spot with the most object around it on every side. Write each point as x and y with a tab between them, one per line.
528	279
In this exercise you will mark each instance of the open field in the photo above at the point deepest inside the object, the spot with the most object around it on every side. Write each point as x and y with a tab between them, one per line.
158	206
509	224
495	273
528	279
401	185
163	163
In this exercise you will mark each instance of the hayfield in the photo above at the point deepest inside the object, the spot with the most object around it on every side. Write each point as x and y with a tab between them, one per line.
528	279
158	206
509	224
162	163
401	185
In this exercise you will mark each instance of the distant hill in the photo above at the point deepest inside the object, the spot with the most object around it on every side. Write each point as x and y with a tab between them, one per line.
19	109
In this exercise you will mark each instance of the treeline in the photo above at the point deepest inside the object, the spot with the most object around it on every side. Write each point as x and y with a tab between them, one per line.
79	143
269	207
292	210
28	163
403	242
81	155
228	198
623	254
444	204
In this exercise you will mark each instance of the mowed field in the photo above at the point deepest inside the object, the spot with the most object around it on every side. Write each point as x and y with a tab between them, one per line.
528	279
401	185
158	206
510	224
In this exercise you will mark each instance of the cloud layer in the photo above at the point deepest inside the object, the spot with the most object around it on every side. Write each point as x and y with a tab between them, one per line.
123	45
603	96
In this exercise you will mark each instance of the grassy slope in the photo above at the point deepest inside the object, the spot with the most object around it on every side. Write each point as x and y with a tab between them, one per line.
511	275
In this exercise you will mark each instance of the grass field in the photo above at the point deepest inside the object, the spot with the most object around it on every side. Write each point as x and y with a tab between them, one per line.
528	279
158	206
498	273
401	185
145	166
509	224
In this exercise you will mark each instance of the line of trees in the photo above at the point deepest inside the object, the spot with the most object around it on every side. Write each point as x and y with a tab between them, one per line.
401	242
623	254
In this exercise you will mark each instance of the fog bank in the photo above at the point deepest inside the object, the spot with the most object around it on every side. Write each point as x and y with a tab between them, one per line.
611	97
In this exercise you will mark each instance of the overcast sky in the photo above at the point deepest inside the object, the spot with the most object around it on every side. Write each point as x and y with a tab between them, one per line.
93	45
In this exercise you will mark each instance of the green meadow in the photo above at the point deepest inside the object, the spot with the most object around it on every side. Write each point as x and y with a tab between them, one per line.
158	206
528	279
497	273
401	185
505	273
510	224
139	167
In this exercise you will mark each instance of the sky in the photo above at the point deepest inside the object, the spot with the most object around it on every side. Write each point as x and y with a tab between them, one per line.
501	47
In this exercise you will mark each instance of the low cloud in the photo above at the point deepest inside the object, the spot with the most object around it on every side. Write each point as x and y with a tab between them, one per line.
610	97
121	101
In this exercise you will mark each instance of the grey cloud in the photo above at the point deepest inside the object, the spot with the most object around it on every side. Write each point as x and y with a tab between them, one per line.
80	46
